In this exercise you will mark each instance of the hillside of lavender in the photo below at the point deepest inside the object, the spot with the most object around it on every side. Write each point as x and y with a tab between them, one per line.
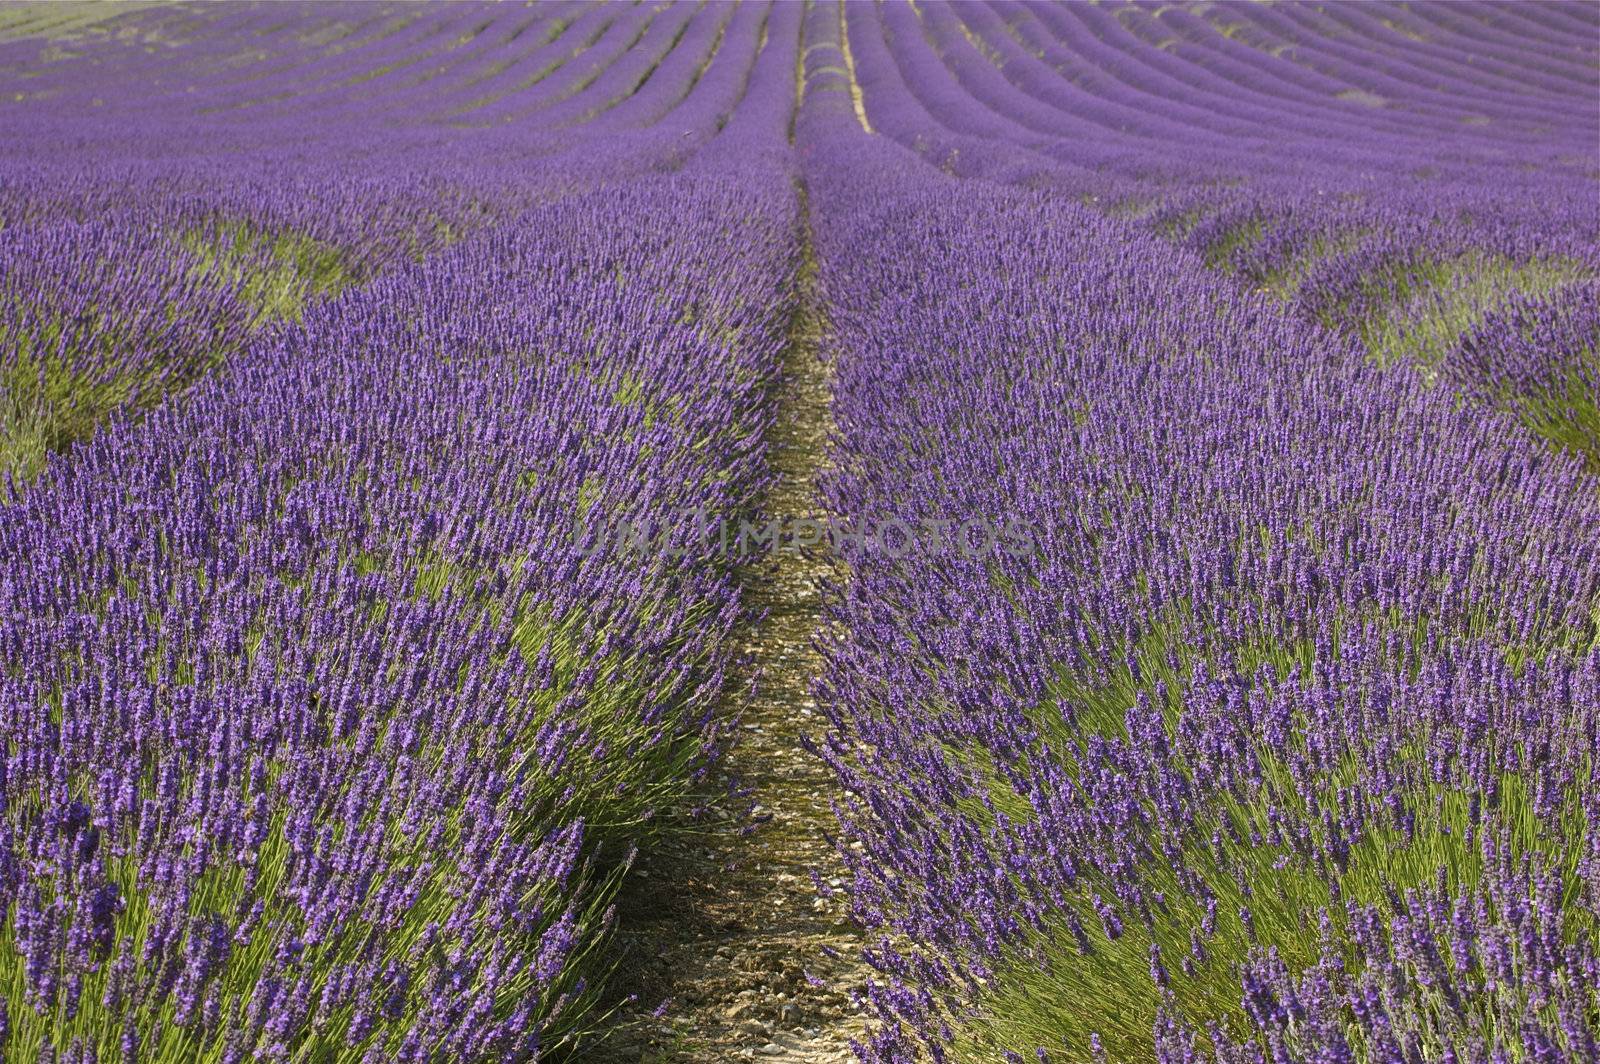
1207	665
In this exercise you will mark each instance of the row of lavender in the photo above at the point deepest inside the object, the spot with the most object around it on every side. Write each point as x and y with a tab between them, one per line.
1399	173
325	735
1280	744
140	251
267	163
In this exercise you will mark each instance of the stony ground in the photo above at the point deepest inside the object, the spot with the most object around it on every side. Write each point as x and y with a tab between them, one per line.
726	929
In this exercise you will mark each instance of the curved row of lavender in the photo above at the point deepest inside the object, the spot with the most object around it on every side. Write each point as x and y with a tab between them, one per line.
161	203
1397	172
1280	744
326	735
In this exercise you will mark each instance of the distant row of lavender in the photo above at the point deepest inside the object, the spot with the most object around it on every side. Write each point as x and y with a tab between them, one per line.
267	162
1282	744
323	737
1394	172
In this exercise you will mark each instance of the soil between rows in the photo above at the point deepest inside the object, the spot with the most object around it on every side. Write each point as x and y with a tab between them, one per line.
723	931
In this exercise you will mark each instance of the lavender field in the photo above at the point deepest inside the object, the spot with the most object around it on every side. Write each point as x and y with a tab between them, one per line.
993	531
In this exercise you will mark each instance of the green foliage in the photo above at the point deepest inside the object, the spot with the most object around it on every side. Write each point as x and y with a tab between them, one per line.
1219	254
276	274
1285	280
1568	416
61	21
45	405
1420	311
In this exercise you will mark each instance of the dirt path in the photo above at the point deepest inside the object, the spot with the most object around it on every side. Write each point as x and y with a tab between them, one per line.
749	960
